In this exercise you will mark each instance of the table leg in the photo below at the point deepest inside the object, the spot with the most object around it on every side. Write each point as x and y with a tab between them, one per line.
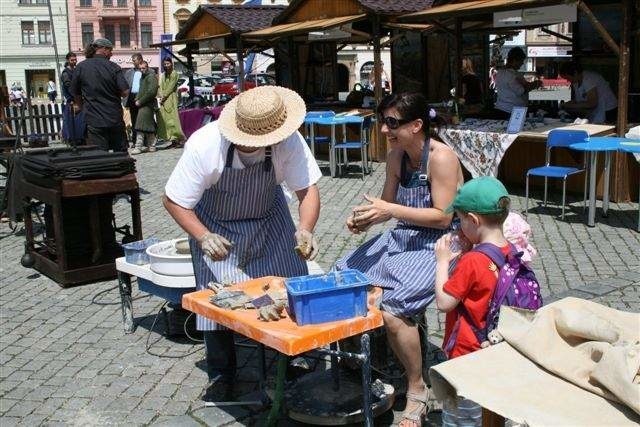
124	283
593	163
607	172
272	418
312	139
332	158
335	369
366	380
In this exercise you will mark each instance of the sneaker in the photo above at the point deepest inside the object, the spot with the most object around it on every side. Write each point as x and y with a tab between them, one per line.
152	149
218	390
135	151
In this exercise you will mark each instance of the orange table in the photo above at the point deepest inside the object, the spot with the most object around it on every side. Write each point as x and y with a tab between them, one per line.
287	337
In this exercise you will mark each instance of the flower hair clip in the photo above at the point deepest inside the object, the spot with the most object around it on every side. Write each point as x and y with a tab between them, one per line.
432	113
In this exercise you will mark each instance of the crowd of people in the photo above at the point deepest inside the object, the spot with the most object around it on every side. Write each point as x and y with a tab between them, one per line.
99	96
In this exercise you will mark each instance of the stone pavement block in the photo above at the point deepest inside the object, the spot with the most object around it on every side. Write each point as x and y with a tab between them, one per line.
176	421
21	409
9	421
219	416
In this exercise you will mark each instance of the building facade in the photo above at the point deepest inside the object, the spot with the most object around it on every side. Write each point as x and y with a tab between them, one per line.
27	54
131	25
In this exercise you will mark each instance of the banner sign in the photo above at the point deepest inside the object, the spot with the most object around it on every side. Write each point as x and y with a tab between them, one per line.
536	16
164	51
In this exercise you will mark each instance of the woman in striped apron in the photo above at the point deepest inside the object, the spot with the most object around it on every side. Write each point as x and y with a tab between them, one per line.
225	192
421	181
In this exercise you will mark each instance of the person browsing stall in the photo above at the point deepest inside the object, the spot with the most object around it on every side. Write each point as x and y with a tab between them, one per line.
97	86
421	180
591	94
482	205
225	193
511	87
145	124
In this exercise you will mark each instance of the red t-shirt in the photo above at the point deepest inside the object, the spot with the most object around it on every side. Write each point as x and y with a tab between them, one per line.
473	281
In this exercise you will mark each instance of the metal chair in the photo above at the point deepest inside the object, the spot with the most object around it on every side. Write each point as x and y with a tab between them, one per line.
309	124
557	138
362	144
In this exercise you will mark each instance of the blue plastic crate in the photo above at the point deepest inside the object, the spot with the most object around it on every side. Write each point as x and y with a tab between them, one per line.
328	297
136	252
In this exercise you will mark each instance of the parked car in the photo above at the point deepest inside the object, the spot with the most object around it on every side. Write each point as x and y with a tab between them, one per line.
203	85
229	85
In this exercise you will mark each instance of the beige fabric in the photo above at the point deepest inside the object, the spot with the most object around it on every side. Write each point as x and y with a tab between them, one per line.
594	352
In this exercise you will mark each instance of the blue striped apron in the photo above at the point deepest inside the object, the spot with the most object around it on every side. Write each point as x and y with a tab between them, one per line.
402	260
247	207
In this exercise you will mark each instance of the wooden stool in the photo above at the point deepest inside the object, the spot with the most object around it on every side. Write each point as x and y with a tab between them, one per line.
54	257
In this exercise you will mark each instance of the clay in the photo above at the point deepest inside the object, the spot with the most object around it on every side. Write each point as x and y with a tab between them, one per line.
182	246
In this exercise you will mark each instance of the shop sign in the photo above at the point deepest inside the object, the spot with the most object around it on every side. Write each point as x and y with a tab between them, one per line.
548	51
536	16
336	33
40	64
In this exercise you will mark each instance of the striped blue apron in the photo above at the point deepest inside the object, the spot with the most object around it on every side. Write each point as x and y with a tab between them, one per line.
247	207
402	260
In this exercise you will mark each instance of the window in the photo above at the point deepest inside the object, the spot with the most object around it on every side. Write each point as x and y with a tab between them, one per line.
122	3
146	35
85	3
144	2
44	32
28	34
125	35
32	2
182	16
107	3
87	34
110	32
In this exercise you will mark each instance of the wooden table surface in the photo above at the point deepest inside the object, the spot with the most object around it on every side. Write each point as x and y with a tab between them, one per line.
283	335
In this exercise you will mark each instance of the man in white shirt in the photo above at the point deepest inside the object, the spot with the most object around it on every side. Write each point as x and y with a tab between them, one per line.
591	94
226	193
512	89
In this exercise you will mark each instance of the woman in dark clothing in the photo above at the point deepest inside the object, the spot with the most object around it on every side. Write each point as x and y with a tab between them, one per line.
471	87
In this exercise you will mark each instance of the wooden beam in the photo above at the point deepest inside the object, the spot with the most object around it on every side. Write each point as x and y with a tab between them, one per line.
599	27
380	153
240	56
621	178
458	71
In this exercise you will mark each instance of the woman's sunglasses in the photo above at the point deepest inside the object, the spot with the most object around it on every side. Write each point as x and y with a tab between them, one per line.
393	123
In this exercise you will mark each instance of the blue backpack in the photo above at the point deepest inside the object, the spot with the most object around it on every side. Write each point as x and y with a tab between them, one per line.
517	287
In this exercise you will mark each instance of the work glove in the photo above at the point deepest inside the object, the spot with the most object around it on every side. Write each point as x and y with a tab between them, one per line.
214	245
306	245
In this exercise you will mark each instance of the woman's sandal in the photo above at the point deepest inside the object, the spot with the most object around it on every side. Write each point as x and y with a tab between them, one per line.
419	413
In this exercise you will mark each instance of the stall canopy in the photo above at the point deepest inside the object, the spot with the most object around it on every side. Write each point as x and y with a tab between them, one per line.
218	29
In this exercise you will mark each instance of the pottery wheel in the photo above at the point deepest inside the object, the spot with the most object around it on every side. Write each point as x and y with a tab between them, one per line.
312	400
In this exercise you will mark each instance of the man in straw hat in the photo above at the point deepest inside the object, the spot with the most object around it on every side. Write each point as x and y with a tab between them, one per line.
225	192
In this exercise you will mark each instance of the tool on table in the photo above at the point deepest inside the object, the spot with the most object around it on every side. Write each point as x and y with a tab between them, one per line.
231	300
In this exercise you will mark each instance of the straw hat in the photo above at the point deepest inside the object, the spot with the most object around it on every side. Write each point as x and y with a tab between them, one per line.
262	116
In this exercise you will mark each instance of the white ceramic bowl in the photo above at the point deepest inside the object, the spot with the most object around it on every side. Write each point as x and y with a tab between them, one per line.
163	259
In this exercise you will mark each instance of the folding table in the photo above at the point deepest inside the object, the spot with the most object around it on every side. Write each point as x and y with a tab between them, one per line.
286	337
594	145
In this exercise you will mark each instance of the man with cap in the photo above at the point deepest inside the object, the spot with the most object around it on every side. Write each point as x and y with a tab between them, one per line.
226	193
97	86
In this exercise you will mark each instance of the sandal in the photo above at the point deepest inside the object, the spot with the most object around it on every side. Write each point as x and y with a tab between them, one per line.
419	413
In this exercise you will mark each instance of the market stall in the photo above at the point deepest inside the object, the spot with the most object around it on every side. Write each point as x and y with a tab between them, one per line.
599	41
306	37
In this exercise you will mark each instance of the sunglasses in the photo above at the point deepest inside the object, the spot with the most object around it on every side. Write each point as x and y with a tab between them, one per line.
393	123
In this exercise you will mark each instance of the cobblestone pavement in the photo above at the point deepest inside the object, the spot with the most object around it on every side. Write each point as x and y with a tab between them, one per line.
65	359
